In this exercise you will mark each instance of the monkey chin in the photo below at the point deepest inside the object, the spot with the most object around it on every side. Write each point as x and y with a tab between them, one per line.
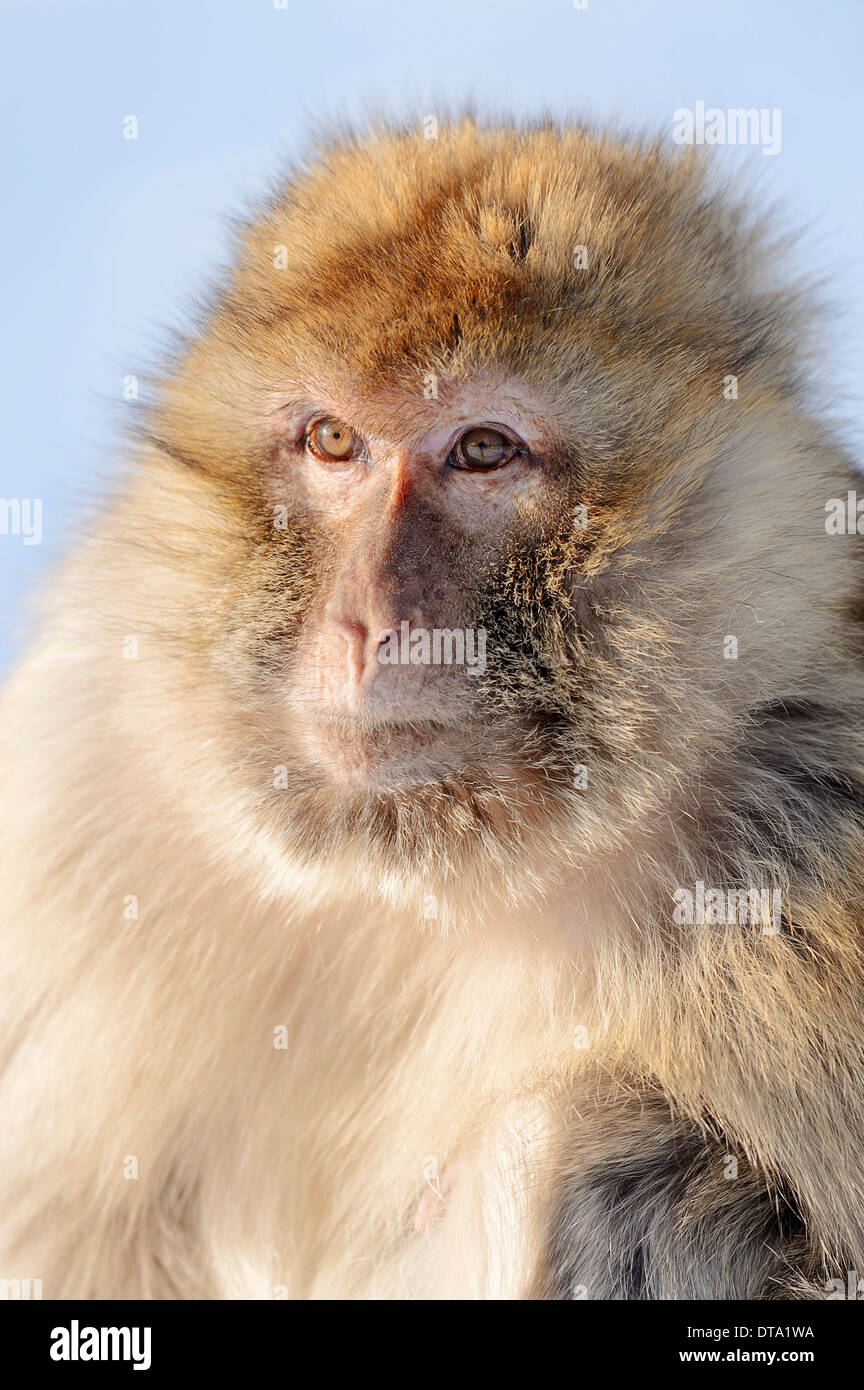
389	756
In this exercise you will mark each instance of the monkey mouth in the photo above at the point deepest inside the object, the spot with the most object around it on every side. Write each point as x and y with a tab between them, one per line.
382	754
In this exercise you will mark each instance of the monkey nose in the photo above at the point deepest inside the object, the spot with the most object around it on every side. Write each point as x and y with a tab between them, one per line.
361	640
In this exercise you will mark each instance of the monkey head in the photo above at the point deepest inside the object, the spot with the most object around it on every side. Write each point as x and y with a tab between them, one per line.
469	503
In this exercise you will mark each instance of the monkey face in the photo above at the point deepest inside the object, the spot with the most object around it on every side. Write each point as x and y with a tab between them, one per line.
401	619
415	505
421	546
467	485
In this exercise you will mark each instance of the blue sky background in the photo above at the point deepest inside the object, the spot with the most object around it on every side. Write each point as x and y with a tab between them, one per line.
108	240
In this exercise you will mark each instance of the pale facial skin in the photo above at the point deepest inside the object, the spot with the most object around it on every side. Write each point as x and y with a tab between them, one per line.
390	480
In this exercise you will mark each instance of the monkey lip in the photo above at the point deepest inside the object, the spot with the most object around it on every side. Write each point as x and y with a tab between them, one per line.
382	753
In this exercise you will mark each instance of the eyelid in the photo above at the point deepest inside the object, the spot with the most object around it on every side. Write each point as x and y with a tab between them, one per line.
467	426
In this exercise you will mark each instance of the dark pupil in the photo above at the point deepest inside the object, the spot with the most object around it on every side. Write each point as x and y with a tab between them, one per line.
491	444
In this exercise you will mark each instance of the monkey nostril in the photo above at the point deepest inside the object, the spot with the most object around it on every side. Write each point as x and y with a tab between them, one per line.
355	636
397	619
353	630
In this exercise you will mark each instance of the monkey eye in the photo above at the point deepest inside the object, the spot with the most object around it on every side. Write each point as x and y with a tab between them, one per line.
332	439
483	449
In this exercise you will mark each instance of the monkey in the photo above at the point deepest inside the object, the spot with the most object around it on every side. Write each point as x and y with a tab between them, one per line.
433	795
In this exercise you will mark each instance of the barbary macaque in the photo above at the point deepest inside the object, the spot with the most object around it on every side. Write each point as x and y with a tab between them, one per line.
433	802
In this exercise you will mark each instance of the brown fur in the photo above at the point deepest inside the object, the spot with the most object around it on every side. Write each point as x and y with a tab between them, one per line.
565	1170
